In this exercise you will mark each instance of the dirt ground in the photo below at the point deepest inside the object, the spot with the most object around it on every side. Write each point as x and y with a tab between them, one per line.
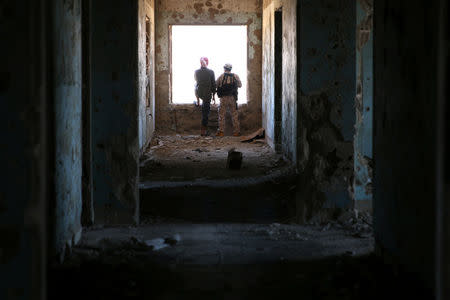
192	157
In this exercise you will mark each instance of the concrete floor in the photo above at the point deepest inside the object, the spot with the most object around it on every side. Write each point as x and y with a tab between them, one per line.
192	157
227	261
260	256
217	244
186	177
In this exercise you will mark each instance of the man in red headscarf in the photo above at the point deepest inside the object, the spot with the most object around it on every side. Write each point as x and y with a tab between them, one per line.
205	89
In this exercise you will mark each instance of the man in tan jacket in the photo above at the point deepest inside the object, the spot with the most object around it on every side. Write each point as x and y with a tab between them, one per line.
227	85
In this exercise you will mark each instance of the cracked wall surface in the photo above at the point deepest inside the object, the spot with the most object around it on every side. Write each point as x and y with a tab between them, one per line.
115	111
186	118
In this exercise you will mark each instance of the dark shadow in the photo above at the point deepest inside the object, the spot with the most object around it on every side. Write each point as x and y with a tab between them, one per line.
129	276
87	217
278	77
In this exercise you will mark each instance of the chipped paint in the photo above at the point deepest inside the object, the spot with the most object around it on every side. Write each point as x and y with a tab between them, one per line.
362	183
318	113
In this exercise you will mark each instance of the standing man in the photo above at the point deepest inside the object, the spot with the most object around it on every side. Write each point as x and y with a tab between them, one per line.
227	87
205	88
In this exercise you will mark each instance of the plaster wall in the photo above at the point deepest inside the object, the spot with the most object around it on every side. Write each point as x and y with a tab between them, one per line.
405	139
146	84
186	118
289	75
362	183
67	108
318	97
268	68
326	97
289	104
115	101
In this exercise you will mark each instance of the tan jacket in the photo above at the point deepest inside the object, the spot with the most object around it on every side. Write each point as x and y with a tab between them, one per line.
238	80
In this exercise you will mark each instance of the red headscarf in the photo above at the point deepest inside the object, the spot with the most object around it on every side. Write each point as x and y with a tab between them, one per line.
204	62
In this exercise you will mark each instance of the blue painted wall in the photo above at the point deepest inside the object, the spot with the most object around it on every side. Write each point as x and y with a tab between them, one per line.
326	93
328	36
364	106
67	108
115	139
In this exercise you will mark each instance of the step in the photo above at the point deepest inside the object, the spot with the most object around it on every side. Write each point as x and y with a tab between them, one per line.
262	199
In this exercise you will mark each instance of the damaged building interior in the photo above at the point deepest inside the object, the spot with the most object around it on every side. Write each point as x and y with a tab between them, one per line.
337	188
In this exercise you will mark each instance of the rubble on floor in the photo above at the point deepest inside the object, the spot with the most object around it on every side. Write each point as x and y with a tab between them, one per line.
192	157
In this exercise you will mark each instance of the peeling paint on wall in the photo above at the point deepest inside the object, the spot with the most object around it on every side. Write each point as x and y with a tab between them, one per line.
327	93
318	107
179	118
362	183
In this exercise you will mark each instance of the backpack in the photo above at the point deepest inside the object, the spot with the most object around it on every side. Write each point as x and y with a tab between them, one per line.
227	89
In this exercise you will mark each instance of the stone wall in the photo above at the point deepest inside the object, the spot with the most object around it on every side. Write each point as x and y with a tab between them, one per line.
186	118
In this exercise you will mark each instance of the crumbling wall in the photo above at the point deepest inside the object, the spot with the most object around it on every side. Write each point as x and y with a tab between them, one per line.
405	133
146	84
186	118
362	183
326	97
67	108
115	115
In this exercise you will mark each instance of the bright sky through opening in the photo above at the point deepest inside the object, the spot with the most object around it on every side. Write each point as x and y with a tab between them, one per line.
221	44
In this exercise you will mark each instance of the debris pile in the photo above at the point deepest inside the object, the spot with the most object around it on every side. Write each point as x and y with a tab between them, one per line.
357	224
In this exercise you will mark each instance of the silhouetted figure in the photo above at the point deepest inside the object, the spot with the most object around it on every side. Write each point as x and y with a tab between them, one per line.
205	88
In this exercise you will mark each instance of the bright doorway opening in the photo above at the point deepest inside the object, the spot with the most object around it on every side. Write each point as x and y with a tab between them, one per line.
220	43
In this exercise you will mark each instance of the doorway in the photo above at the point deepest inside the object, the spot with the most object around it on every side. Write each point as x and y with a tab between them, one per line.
278	77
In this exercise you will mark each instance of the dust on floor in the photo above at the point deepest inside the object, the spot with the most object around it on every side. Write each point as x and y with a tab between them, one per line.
192	157
227	261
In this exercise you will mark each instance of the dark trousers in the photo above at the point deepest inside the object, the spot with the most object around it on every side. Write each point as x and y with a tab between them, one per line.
206	107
